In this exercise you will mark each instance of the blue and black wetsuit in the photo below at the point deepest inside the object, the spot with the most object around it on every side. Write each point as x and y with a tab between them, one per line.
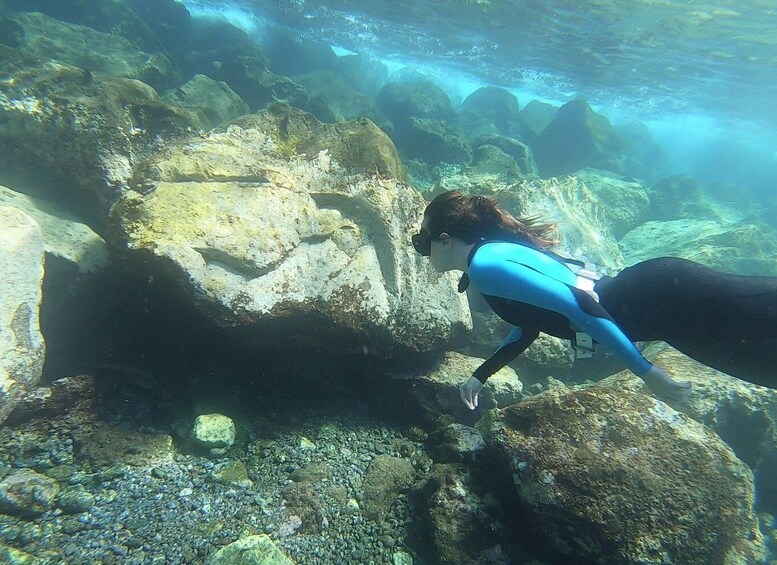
664	299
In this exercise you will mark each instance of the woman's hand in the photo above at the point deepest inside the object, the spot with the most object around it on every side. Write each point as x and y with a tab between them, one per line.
469	392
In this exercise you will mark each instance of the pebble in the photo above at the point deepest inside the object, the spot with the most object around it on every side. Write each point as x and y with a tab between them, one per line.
176	512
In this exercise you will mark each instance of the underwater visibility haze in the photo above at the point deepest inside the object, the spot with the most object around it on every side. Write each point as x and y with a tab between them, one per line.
229	332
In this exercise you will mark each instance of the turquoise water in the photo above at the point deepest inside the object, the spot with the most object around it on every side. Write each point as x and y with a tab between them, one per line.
701	75
218	345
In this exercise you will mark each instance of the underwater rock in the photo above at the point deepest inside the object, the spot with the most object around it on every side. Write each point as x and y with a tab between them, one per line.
76	136
644	158
107	445
626	200
491	110
26	493
520	152
620	477
291	54
678	197
169	20
22	349
14	556
334	99
64	237
215	432
489	160
215	100
55	399
744	415
95	51
535	117
455	443
577	138
226	53
400	101
334	268
75	500
260	87
430	396
107	16
215	44
385	479
575	206
461	526
433	141
251	550
744	248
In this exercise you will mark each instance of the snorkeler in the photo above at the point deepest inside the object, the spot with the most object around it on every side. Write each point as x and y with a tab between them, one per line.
728	322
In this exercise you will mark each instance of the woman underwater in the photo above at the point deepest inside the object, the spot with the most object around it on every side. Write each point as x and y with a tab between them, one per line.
728	322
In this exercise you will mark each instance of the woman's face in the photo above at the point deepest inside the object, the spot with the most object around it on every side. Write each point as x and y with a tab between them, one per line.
440	256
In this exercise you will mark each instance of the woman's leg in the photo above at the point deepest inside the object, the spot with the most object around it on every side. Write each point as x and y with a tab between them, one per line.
726	321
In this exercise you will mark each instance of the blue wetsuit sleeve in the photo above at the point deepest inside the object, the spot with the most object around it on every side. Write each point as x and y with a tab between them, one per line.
515	344
524	275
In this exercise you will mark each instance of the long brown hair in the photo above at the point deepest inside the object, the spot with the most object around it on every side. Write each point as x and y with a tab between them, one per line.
475	218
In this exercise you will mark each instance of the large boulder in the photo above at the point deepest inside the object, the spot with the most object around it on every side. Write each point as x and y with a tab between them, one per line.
619	477
169	20
400	101
84	47
535	117
678	196
113	17
78	135
626	200
65	239
291	232
744	415
333	98
737	247
214	100
433	141
22	349
518	150
491	110
583	216
577	138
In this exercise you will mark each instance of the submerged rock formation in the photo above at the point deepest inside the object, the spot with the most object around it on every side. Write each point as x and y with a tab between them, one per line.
619	477
22	349
293	230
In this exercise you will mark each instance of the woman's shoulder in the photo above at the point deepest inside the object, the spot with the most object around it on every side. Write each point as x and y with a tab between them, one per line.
490	250
494	257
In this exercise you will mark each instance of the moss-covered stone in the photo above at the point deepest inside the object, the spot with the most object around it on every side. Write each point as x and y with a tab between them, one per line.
252	550
204	214
107	16
621	477
27	494
76	135
385	479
